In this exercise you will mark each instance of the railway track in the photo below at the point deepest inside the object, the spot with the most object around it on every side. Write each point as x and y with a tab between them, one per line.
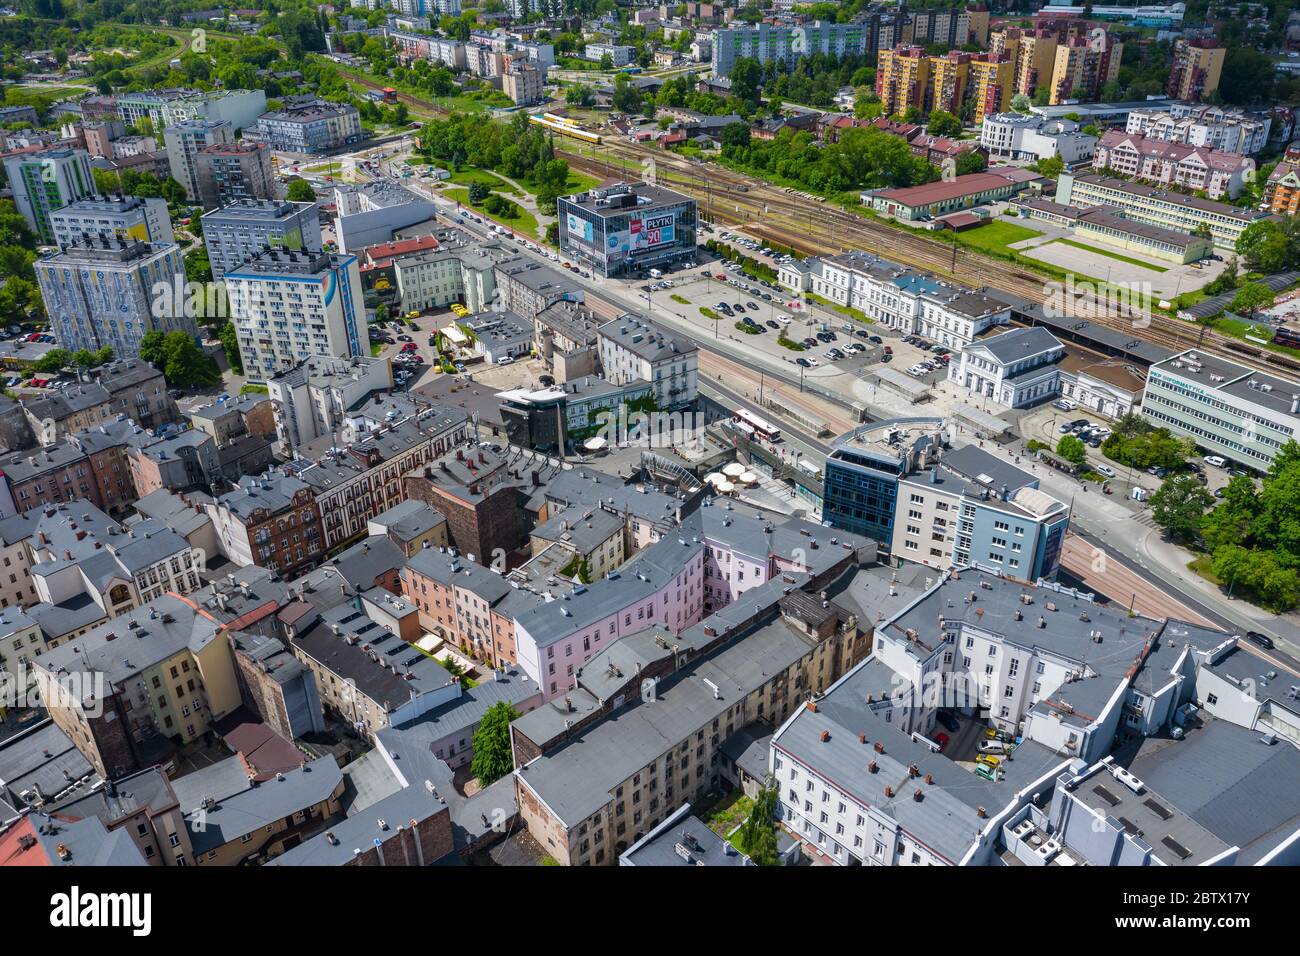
760	207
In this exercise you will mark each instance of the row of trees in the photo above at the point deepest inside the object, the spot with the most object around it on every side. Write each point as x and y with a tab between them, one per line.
1137	444
518	150
1251	538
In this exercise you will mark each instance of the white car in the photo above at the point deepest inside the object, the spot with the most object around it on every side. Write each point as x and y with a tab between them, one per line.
1216	460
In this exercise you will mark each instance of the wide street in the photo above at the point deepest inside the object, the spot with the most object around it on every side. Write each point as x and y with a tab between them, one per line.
1114	544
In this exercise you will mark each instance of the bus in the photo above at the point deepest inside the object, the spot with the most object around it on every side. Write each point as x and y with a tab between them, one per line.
762	427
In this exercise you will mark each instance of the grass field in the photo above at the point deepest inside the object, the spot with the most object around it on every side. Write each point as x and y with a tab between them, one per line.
1111	255
996	236
473	174
525	222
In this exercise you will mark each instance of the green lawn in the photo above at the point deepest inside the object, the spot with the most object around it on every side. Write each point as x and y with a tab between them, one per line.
580	182
730	813
376	348
1111	255
525	222
680	300
472	174
995	236
254	390
846	310
709	314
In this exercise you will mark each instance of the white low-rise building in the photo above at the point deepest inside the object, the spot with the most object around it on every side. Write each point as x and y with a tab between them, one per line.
1029	137
1015	369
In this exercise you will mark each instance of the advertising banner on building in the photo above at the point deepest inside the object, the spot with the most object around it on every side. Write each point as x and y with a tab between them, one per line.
643	234
580	229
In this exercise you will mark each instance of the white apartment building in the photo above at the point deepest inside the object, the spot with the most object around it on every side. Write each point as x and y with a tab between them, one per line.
312	399
289	306
1028	137
633	349
1232	131
438	277
619	55
126	217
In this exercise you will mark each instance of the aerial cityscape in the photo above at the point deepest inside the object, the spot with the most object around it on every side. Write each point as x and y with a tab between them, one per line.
601	433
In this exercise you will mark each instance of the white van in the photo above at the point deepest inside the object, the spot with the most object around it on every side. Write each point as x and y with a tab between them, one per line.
1215	460
656	274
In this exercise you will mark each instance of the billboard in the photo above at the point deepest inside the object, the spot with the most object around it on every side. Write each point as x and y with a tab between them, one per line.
580	228
643	234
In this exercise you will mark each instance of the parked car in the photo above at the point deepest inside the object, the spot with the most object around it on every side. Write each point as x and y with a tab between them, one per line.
876	339
1106	470
942	740
1216	460
803	361
948	721
1263	640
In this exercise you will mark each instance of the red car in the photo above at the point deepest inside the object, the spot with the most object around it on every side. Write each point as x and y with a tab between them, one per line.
941	740
889	350
409	347
720	276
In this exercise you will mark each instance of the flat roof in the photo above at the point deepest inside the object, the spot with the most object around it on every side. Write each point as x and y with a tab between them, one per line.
1231	378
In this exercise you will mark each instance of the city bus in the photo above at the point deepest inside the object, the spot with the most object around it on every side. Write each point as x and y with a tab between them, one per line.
762	427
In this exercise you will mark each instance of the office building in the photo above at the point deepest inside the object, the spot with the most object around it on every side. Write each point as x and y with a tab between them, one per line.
184	140
104	292
1158	207
1228	409
973	508
246	228
1021	136
288	306
865	466
231	172
627	227
44	180
124	217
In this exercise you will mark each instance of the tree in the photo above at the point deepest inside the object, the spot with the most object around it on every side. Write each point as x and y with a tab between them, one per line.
943	124
478	192
53	360
1265	246
179	358
746	79
1179	505
1072	449
1247	76
230	342
300	191
735	134
1252	297
627	98
492	752
1020	103
1051	166
580	95
757	835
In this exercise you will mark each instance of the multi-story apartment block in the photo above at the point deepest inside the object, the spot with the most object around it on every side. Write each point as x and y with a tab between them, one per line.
1021	136
949	82
44	180
1282	190
163	108
1191	124
1032	51
1226	408
1084	65
104	292
903	78
765	42
1158	207
992	77
272	521
313	398
184	140
308	127
126	217
633	349
288	306
161	671
1195	69
618	55
354	485
245	229
524	83
234	172
1199	169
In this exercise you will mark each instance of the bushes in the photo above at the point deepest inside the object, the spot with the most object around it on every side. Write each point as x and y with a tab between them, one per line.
747	328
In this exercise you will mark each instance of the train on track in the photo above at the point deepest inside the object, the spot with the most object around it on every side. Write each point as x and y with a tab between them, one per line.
565	127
